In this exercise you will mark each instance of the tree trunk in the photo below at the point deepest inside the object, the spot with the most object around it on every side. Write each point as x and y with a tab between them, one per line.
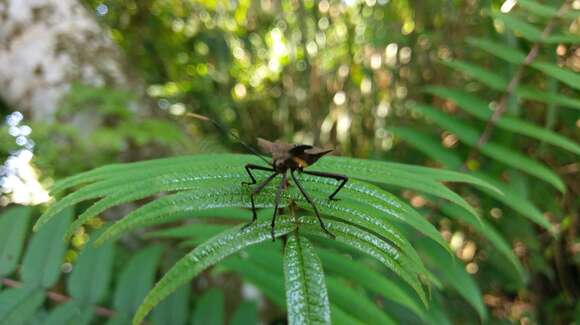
48	45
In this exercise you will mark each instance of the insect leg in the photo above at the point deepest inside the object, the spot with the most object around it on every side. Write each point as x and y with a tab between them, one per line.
307	197
277	203
255	192
249	168
341	178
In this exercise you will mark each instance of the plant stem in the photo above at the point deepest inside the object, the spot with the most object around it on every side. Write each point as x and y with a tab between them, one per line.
60	298
515	81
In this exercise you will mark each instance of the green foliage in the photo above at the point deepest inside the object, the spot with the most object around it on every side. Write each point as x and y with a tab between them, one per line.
175	309
45	252
500	153
209	309
135	280
13	227
367	218
70	313
306	293
89	281
398	81
18	304
98	124
453	274
517	73
246	313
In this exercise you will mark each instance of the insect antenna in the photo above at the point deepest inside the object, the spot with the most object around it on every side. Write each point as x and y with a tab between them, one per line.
227	132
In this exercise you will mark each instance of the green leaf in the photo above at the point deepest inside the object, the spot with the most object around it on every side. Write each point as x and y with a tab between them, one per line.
39	318
70	313
89	280
516	57
390	173
196	230
518	203
544	10
17	305
371	215
486	77
428	145
528	31
354	304
470	136
548	97
119	319
373	246
269	278
490	234
340	317
123	183
306	294
174	310
13	227
508	197
566	76
136	279
233	240
204	256
437	313
270	283
421	179
480	109
45	253
534	34
361	274
137	168
183	203
453	273
246	313
210	309
498	83
500	50
129	187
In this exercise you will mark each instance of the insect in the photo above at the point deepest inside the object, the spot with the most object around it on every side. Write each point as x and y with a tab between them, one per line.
286	159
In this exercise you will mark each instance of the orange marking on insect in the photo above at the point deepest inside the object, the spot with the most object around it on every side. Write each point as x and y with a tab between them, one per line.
301	163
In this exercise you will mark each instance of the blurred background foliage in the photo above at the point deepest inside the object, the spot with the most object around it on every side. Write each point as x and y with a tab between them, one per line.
348	74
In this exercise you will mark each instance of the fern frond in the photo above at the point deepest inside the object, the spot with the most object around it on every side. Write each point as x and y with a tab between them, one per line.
206	255
480	109
453	273
145	182
306	294
486	77
494	237
357	272
498	83
269	281
548	97
373	246
13	228
508	197
500	50
138	180
470	136
363	309
366	218
369	215
546	11
533	33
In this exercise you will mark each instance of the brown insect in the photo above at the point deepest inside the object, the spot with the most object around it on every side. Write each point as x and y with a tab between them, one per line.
286	159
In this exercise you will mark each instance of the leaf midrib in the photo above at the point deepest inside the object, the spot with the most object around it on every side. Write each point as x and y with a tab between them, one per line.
303	274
